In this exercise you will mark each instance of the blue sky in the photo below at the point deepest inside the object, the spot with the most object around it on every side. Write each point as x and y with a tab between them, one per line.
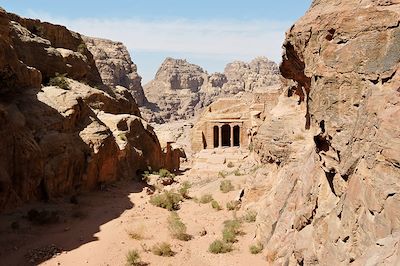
208	33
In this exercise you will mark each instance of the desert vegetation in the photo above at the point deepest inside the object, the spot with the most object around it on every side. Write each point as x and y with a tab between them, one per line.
168	200
177	228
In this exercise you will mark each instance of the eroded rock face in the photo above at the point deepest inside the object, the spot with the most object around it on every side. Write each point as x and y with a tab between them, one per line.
116	67
181	90
52	49
14	74
333	183
56	140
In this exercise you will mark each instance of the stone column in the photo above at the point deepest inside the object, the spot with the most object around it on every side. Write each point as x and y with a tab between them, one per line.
240	136
231	135
220	136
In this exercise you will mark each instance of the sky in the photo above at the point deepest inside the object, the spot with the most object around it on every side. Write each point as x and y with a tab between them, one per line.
209	33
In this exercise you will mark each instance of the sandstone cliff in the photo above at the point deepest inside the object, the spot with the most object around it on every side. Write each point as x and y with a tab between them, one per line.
180	89
116	67
74	135
332	180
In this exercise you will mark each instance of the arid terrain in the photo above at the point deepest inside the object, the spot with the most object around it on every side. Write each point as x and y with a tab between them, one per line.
296	164
102	227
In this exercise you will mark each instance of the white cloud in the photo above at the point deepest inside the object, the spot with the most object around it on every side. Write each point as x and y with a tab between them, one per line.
213	43
242	39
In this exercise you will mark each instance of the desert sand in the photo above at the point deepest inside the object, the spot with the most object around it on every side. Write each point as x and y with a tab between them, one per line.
96	230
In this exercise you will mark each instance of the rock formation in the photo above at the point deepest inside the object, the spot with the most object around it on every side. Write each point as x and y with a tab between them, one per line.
75	135
116	67
333	193
180	89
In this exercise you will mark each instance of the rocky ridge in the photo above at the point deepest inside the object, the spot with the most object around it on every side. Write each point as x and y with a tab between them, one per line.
181	89
75	135
116	67
332	180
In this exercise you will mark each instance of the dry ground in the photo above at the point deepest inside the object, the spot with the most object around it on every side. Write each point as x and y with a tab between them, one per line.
96	231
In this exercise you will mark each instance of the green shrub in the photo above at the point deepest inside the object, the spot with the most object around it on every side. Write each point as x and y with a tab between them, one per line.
145	176
177	228
257	248
230	165
251	147
60	81
250	216
215	205
226	186
222	174
237	172
133	258
168	200
232	205
164	173
219	246
206	198
184	189
231	230
82	48
162	249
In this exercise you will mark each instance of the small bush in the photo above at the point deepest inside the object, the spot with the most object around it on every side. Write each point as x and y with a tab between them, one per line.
164	173
137	234
168	200
177	228
184	189
257	248
251	147
222	174
237	172
215	205
59	81
231	230
133	258
145	176
206	198
228	236
230	165
250	216
122	136
162	249
232	205
219	246
82	48
226	186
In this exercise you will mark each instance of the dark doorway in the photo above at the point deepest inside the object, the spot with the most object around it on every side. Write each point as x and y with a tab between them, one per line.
236	136
226	136
216	136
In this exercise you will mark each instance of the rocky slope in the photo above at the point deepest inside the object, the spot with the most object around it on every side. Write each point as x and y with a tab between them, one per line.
77	134
116	67
180	89
332	180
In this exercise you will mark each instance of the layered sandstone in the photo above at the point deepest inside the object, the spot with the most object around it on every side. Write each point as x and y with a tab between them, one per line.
116	67
62	139
333	146
181	90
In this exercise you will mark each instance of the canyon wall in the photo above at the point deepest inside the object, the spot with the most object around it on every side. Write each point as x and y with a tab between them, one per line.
116	67
332	144
74	135
181	90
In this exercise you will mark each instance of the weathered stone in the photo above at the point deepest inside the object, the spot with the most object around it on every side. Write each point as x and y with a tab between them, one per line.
116	67
57	140
181	90
335	157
